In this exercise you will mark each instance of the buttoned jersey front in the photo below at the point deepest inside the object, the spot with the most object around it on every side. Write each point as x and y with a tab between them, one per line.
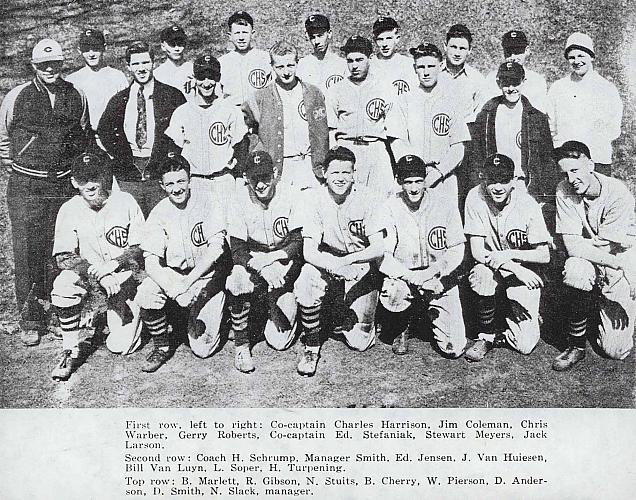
242	74
180	77
467	85
397	70
323	73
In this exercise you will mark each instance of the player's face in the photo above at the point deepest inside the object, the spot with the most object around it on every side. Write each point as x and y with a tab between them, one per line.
511	91
387	42
177	186
93	193
457	50
48	72
205	87
140	66
578	172
580	61
320	41
262	185
339	176
427	69
285	68
93	56
519	57
499	192
413	188
241	36
174	50
358	65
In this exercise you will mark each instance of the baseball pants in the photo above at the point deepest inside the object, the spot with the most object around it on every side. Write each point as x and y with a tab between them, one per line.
220	188
298	173
373	166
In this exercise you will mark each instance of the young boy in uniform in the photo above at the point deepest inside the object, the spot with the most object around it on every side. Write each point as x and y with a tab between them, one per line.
175	70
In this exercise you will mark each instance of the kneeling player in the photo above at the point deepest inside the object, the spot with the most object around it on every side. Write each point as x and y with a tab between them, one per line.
341	241
424	244
508	238
96	248
267	258
187	261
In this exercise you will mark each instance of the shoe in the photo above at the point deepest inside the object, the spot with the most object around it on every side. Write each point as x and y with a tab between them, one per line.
65	367
30	337
478	350
243	359
401	344
568	358
156	360
307	363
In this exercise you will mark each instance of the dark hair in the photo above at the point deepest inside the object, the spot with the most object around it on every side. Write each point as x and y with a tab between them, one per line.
92	167
174	162
338	153
139	47
460	31
571	149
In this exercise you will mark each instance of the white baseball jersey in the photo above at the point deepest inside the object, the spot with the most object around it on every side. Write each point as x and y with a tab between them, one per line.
295	128
398	71
207	135
180	77
98	235
242	74
534	88
181	236
467	86
322	73
508	134
519	225
98	87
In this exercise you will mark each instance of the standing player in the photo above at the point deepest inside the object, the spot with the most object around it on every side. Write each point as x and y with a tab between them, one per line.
175	70
595	217
187	262
98	81
388	64
584	106
322	67
508	238
291	122
424	245
356	111
96	248
267	258
245	69
341	242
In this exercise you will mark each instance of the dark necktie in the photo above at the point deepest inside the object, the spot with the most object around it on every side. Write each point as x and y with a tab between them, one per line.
141	136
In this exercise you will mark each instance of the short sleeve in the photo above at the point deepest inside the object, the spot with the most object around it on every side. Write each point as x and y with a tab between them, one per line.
237	227
136	223
331	103
473	215
568	220
66	239
454	229
214	223
176	130
238	129
154	237
537	231
395	121
308	217
618	218
458	129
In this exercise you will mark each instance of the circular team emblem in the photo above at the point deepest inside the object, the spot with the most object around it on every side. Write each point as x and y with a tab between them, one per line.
280	227
196	235
117	236
441	124
301	110
257	78
518	139
356	227
218	133
516	238
437	238
333	79
375	108
401	86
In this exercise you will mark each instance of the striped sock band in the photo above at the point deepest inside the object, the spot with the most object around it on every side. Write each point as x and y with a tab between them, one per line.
239	314
157	325
486	313
310	319
69	323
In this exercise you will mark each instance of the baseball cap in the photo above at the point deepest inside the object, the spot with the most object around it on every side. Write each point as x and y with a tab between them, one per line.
259	163
426	49
459	31
239	16
410	166
579	41
571	149
207	66
359	44
514	42
498	168
338	153
90	167
317	23
510	73
383	24
91	38
173	34
46	50
173	162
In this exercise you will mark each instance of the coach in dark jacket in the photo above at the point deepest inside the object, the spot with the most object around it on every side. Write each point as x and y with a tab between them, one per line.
133	125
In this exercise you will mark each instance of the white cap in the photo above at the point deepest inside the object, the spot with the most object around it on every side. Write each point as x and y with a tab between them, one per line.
47	50
580	41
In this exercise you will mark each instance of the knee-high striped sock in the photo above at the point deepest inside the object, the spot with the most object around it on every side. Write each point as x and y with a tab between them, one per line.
157	324
239	314
310	319
486	305
69	321
578	303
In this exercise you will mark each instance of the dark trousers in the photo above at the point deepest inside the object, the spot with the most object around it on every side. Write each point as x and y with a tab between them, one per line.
147	193
603	168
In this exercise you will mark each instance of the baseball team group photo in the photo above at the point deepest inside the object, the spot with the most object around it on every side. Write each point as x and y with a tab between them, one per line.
371	204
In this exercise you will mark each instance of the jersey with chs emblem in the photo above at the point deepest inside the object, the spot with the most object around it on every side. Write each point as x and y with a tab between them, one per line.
359	110
180	77
207	135
339	229
322	73
398	71
242	74
180	236
518	226
98	235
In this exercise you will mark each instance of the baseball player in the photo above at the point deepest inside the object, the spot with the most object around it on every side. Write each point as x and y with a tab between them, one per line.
341	244
508	240
98	81
246	68
96	248
322	68
211	133
595	217
388	64
290	119
267	258
175	70
187	262
356	111
516	49
584	106
424	245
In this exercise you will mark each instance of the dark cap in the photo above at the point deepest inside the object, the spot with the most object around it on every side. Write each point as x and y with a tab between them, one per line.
338	153
514	42
459	31
91	38
510	73
173	34
317	23
571	149
240	17
91	167
173	162
207	66
359	44
259	163
410	166
383	24
426	49
497	168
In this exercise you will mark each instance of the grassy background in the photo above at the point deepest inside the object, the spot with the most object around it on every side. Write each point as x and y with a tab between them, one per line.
344	378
